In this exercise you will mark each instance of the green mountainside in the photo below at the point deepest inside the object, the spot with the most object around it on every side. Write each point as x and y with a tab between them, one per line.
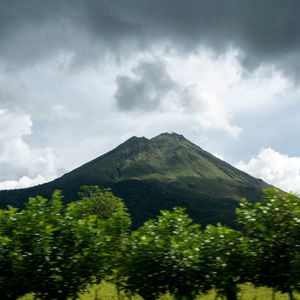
154	174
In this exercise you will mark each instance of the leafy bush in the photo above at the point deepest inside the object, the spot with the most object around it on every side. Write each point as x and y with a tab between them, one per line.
222	264
272	228
163	256
55	251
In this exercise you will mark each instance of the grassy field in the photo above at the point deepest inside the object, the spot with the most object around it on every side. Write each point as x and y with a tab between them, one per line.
107	291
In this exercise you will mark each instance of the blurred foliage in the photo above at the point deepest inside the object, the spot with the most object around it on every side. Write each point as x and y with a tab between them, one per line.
56	251
222	260
272	230
163	256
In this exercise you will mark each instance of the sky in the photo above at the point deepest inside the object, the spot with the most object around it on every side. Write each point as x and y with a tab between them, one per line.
77	78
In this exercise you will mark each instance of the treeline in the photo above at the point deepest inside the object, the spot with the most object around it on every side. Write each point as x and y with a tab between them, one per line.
56	251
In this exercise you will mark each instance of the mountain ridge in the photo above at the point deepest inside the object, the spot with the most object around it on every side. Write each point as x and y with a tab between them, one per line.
159	173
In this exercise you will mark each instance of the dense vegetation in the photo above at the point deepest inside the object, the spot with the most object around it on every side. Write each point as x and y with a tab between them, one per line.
56	251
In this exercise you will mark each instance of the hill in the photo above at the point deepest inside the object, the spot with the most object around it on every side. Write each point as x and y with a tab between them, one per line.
154	174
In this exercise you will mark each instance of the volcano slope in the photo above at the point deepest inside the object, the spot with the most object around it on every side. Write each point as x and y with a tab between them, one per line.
160	173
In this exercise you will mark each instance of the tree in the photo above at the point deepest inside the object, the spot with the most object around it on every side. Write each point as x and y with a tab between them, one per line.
162	256
272	228
59	250
114	220
97	201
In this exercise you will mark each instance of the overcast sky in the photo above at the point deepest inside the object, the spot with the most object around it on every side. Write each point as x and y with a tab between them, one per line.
78	77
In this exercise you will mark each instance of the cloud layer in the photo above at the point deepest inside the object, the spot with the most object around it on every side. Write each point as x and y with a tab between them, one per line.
202	96
265	31
275	168
22	165
79	77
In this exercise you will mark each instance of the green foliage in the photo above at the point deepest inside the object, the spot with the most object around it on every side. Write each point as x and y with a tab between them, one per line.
265	252
55	251
222	260
11	259
96	201
163	256
272	230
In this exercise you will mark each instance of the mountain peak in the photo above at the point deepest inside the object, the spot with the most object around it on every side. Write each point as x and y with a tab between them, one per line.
169	137
167	157
140	144
164	135
173	135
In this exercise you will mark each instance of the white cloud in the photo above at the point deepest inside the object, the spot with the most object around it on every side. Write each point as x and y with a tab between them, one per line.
208	111
58	111
219	156
164	85
20	164
23	182
211	102
273	167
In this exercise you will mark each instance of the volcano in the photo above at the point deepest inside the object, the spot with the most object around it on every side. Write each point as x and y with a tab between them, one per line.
153	174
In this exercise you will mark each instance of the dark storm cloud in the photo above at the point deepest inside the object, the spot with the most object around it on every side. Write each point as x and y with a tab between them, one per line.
144	90
33	30
264	30
29	30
